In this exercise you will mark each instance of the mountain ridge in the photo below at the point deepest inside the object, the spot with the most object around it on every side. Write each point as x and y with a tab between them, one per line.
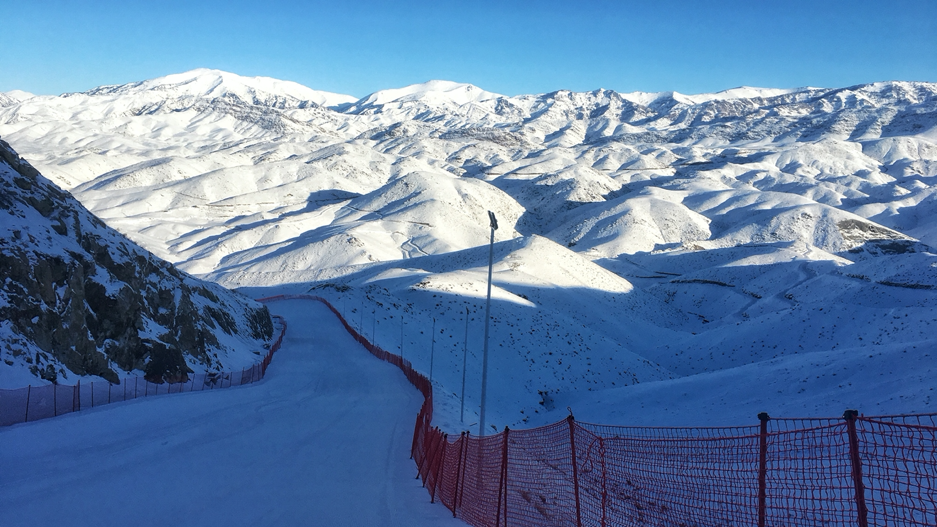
734	217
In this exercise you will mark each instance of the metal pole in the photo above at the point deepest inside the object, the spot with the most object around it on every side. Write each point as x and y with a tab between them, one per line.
432	353
863	512
491	256
464	364
572	449
503	483
361	319
373	325
763	469
401	335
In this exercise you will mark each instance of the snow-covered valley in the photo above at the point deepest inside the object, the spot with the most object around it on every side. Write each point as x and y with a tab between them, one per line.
662	258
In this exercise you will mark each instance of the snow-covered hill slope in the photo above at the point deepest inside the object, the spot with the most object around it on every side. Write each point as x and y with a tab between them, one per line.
78	299
644	236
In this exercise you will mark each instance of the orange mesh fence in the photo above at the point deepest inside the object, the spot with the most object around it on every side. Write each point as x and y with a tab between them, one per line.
898	455
845	471
40	402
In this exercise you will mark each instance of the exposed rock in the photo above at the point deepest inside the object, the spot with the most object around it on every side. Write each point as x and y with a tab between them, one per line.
79	298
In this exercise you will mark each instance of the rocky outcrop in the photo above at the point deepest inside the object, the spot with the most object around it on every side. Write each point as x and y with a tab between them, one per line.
79	298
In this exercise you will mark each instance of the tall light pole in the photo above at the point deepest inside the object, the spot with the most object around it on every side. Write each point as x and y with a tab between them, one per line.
464	364
432	353
491	258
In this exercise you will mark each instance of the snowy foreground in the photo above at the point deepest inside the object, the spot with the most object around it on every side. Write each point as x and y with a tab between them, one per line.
322	440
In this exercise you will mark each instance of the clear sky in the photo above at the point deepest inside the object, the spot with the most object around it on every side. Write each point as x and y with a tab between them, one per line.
51	47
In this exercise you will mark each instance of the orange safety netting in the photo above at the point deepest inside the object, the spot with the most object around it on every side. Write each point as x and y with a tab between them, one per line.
852	470
40	402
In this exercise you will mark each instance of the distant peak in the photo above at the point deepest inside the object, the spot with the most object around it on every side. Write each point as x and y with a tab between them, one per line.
12	97
433	92
210	83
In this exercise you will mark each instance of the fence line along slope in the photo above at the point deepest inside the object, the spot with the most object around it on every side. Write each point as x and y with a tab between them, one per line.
854	470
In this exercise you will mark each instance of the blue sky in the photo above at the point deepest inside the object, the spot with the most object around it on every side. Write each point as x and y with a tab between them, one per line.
51	47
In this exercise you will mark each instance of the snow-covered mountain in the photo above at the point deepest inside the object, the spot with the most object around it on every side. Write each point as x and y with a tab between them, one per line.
10	98
78	299
651	238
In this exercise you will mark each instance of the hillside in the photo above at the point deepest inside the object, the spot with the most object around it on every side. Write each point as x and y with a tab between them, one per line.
78	299
648	241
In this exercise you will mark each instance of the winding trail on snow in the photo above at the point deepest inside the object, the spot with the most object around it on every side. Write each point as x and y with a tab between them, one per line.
323	439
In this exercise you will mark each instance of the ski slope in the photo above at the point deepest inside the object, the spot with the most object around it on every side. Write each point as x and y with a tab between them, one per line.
322	440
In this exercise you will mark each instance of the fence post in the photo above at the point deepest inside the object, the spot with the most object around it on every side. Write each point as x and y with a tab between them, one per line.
503	481
458	473
442	461
763	469
426	456
29	388
863	512
604	483
77	396
464	463
416	432
572	449
55	409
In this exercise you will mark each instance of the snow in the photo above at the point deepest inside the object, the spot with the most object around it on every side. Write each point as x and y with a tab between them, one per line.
214	83
324	439
430	92
9	98
65	232
643	235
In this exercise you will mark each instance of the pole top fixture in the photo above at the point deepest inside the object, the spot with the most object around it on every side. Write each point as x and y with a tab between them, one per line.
494	221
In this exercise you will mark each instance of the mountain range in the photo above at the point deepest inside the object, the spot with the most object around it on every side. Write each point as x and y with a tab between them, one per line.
683	251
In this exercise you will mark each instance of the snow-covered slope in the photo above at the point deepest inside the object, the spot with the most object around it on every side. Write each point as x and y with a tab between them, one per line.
644	237
78	299
328	422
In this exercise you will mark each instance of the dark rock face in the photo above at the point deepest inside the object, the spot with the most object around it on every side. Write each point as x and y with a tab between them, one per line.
77	297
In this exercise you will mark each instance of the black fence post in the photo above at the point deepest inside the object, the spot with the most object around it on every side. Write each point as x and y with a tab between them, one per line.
863	512
458	473
572	448
503	482
439	467
763	469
